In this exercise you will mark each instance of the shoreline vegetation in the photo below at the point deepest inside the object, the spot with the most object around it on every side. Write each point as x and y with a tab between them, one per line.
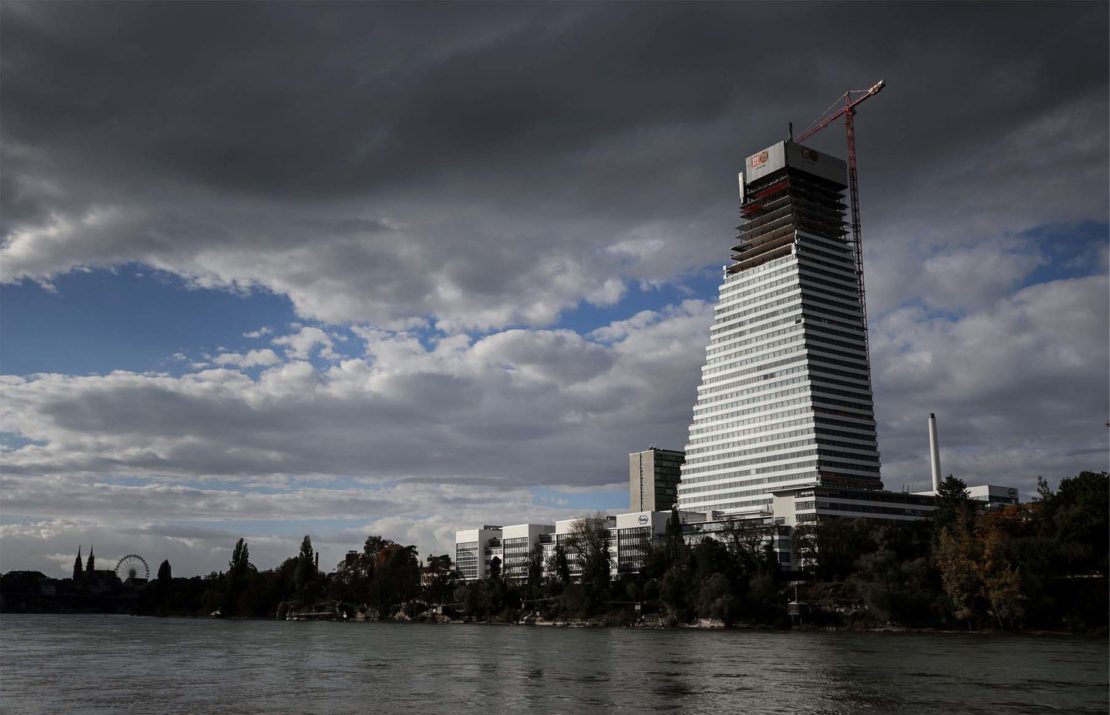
1038	568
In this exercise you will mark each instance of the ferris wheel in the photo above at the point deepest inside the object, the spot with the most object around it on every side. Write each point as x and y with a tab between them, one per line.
132	566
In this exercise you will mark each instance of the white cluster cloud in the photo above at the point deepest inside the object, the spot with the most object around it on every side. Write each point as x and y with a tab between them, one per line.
253	358
410	441
308	340
1019	386
460	409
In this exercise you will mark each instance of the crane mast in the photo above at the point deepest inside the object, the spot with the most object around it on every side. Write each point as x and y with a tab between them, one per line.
845	106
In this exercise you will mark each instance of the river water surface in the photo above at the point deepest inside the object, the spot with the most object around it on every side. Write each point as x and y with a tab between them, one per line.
122	664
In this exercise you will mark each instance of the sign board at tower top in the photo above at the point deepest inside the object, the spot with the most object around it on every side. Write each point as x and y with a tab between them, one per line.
796	156
764	162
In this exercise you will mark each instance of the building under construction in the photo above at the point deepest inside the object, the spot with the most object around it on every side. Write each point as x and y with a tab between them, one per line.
785	397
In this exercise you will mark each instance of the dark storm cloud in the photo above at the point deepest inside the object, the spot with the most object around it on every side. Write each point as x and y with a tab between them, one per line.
496	164
319	100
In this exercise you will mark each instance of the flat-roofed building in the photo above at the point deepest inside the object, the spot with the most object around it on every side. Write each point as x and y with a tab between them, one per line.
634	534
473	550
806	505
653	479
994	495
517	542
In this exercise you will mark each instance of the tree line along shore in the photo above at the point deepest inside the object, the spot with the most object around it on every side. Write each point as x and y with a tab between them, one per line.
1036	566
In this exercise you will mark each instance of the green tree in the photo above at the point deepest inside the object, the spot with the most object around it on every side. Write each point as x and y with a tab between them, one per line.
373	549
588	543
305	576
1001	582
441	577
238	581
164	586
953	506
716	599
240	564
674	552
894	580
747	542
956	556
1044	492
1081	521
562	566
535	567
396	578
495	568
830	548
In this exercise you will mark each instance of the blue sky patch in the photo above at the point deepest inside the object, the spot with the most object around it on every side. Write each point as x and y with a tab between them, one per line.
133	318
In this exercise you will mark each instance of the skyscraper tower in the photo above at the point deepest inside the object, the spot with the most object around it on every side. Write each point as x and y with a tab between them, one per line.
785	395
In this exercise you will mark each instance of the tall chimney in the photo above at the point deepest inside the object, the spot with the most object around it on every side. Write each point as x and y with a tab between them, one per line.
934	452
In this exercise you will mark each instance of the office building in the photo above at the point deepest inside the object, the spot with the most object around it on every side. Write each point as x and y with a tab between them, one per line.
473	550
653	479
631	535
517	542
785	396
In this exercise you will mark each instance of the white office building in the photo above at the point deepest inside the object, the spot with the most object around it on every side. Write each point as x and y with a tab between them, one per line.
517	542
631	536
785	396
473	550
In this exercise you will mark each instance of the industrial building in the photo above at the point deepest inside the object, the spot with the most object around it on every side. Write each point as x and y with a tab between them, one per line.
653	479
785	397
994	496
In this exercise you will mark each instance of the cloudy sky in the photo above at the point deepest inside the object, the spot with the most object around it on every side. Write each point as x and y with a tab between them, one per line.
339	269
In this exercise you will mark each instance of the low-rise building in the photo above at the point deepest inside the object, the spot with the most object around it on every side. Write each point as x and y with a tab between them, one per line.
792	507
473	550
631	535
634	534
517	542
994	495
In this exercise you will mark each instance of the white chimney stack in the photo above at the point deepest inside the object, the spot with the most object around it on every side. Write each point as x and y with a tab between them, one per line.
934	452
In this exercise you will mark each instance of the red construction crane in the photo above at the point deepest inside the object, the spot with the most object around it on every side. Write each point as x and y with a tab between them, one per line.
845	107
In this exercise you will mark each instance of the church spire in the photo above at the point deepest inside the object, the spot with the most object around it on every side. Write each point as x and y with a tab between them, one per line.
77	566
89	563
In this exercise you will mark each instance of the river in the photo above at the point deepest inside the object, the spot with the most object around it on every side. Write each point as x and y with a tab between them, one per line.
123	664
